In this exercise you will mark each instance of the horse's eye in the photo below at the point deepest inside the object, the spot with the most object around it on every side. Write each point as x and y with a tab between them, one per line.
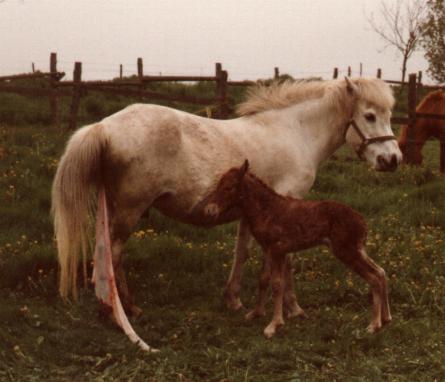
370	117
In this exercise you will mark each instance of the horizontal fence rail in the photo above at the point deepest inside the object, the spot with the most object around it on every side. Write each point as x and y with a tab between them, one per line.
216	106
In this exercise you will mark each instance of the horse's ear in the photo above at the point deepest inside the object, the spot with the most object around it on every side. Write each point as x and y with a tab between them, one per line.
244	168
350	86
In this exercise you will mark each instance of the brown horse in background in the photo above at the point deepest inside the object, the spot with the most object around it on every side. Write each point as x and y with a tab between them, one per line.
426	128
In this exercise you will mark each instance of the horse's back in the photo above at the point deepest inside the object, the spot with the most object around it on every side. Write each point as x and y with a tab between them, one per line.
154	150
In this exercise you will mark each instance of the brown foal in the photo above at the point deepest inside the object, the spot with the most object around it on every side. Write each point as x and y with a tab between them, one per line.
282	225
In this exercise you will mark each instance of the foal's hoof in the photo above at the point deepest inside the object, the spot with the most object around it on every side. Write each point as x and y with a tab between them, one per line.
232	302
373	328
300	313
254	314
271	329
386	320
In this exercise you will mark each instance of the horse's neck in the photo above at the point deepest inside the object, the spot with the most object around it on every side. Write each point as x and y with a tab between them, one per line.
320	126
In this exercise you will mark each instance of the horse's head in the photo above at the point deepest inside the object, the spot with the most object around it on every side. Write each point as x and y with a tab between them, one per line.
227	192
369	130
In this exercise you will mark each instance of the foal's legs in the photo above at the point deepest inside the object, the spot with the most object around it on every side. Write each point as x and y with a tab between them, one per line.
357	260
233	286
277	271
263	285
290	299
386	314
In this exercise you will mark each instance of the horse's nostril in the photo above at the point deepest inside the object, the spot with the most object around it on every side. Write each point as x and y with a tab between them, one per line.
382	161
393	160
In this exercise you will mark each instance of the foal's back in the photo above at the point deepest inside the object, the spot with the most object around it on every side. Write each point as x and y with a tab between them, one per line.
296	224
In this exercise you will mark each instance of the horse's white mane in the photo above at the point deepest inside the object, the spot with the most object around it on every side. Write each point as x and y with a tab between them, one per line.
279	95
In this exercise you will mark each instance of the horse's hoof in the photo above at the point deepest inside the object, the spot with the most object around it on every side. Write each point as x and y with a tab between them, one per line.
104	311
135	311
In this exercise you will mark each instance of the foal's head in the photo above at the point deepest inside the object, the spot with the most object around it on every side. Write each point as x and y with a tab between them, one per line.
227	192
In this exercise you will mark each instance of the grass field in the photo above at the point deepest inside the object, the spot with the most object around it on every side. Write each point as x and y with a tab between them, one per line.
178	272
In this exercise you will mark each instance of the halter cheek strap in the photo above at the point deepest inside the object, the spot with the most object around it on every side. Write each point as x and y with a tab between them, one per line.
366	141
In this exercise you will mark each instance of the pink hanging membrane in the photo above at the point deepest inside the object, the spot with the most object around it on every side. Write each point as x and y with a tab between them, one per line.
103	274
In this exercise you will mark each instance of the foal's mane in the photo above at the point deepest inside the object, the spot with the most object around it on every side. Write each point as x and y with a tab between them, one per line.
264	187
283	94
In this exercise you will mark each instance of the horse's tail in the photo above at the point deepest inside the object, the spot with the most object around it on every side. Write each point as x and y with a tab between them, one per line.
77	176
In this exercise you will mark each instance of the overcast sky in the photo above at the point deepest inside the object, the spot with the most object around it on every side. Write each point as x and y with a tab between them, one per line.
249	37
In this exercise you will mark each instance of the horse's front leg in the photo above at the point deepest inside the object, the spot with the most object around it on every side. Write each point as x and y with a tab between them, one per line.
233	286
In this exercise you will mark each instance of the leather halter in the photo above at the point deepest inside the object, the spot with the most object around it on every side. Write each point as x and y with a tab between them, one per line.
366	141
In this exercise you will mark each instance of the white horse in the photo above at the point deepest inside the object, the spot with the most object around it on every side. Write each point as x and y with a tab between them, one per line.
152	156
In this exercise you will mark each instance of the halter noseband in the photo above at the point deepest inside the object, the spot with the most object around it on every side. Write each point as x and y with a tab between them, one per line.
366	141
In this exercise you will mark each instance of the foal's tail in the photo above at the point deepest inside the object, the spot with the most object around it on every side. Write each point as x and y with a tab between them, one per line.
77	177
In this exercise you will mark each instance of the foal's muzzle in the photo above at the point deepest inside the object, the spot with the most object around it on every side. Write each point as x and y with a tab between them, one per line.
212	209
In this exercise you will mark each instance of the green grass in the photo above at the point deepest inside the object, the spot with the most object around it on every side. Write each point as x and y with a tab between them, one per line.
178	272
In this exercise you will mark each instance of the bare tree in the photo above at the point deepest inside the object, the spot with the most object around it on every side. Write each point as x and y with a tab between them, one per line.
400	27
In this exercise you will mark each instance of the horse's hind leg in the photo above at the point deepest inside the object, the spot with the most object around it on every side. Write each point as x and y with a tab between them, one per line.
122	224
233	286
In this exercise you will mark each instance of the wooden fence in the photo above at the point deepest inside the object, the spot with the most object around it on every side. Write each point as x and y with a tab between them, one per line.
219	103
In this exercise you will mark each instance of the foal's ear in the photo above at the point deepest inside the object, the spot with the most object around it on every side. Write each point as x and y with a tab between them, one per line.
244	168
350	86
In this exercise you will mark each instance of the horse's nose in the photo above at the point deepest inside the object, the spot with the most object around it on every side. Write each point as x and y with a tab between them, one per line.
387	165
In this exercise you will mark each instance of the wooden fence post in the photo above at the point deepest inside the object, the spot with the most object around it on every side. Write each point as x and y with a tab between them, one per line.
121	71
361	69
224	106
221	91
218	70
276	73
349	71
33	67
335	75
412	103
141	75
379	73
53	82
77	93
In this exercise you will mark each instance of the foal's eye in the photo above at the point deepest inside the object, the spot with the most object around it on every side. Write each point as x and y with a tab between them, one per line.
370	117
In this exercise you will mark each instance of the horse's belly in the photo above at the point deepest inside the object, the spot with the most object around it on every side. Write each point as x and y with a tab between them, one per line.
171	207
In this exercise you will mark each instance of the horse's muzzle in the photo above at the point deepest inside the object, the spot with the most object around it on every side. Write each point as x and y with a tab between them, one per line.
387	165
